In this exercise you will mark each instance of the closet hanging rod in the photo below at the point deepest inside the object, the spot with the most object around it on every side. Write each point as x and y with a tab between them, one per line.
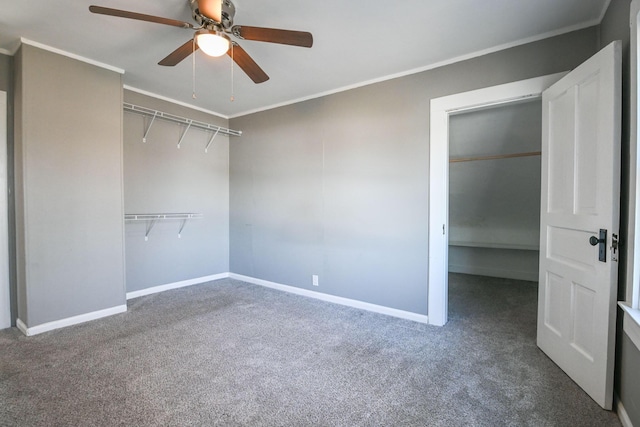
177	119
495	157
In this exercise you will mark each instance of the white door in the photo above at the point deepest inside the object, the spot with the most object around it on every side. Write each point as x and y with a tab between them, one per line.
580	197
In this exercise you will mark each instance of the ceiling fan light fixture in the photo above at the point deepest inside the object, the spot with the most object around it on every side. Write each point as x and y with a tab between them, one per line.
212	43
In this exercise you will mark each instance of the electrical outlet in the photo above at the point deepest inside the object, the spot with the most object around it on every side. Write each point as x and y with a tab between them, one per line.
315	280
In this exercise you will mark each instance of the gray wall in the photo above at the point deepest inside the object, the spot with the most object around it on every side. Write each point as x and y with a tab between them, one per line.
615	26
159	178
68	163
628	377
6	85
338	186
495	201
6	67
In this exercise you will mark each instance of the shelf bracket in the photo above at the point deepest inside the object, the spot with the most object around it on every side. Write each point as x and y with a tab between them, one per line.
144	138
206	150
182	224
150	225
184	133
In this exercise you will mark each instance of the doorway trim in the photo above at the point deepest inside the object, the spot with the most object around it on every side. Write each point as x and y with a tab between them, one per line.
441	109
5	293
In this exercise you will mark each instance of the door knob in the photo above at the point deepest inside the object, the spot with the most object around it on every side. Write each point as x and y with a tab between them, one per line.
593	240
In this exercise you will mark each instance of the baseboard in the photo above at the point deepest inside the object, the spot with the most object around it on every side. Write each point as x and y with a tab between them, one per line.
622	414
530	276
421	318
62	323
176	285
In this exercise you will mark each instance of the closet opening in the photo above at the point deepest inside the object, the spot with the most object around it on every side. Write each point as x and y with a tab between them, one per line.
494	203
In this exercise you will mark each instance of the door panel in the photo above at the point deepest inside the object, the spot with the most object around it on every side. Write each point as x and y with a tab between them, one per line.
557	297
587	147
584	301
560	173
566	246
580	196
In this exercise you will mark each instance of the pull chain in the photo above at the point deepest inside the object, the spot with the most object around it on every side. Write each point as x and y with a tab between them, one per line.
232	62
193	63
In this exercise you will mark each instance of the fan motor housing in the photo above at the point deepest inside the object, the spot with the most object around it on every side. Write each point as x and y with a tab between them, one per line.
228	13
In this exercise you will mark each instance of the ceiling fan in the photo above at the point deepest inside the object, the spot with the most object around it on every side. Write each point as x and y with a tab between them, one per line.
214	26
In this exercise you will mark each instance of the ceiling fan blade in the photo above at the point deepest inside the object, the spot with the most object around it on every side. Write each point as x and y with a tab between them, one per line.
248	65
139	16
273	35
179	54
212	9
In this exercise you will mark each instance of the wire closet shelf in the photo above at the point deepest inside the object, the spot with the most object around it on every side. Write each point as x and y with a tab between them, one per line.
189	123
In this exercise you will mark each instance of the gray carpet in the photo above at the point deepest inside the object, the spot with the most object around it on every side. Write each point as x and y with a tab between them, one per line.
228	353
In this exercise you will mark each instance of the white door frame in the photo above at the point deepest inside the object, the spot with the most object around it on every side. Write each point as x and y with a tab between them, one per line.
441	109
5	295
633	248
631	305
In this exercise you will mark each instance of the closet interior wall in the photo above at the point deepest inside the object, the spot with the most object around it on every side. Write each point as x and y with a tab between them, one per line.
494	191
160	178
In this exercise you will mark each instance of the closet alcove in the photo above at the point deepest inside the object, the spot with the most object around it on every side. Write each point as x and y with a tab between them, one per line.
494	191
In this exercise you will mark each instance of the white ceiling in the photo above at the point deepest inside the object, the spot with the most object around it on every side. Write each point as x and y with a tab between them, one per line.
355	42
